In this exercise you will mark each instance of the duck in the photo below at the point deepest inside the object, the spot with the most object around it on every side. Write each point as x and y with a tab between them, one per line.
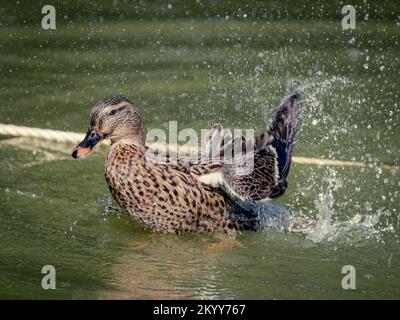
182	196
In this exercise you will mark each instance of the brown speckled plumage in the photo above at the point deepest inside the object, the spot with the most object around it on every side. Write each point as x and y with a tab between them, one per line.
160	196
165	197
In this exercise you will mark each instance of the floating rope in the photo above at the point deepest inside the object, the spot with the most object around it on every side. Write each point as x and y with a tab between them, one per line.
73	137
46	134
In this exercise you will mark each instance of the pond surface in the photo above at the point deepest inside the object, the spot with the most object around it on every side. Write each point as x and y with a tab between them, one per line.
58	211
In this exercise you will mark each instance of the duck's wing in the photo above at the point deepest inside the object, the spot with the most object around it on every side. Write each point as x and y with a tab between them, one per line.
253	177
204	162
271	159
219	150
283	132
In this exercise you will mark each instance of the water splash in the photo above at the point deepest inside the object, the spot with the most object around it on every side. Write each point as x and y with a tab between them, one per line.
372	225
324	227
108	207
278	217
354	231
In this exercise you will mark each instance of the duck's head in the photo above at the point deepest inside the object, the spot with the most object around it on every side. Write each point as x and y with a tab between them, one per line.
111	118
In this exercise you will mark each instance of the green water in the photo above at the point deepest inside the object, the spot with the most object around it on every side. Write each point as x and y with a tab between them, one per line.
58	211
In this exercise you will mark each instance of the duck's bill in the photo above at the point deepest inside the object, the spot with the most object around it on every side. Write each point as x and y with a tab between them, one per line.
86	146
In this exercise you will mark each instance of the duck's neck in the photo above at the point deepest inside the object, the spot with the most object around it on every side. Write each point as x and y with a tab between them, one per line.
134	144
124	136
133	140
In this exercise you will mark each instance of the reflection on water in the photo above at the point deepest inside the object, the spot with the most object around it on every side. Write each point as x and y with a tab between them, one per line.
164	268
256	267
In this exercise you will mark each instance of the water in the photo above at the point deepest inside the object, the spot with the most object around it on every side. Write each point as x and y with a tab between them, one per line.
56	210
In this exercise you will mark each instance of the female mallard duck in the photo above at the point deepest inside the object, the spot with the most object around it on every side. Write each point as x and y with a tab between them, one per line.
185	197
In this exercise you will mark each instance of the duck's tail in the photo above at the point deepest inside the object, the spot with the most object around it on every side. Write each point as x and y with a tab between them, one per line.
282	133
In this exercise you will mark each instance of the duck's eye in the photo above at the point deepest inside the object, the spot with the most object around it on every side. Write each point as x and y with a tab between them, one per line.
112	112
